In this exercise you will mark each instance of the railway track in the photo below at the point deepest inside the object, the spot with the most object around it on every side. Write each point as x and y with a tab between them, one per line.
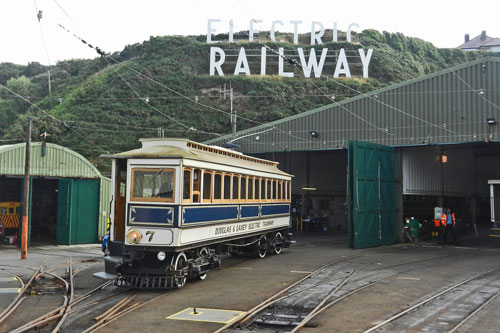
48	301
444	310
49	286
295	306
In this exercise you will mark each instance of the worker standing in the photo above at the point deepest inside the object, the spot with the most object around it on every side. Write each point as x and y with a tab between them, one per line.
448	226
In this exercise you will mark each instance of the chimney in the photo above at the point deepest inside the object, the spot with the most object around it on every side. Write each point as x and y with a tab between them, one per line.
483	35
467	38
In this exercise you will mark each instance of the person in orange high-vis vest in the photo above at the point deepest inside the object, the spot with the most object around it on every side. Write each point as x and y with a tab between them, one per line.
448	226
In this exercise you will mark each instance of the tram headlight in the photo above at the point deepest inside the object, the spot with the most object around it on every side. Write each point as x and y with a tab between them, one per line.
161	255
134	236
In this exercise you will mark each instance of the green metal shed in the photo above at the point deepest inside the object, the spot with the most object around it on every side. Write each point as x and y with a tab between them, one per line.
69	197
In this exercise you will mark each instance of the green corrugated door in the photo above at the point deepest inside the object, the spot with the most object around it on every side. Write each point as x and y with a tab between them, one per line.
85	215
77	211
372	195
63	226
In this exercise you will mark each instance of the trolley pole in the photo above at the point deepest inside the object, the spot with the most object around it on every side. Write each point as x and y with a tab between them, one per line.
26	204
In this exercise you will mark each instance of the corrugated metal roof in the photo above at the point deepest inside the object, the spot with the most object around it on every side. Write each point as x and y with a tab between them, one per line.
449	106
58	162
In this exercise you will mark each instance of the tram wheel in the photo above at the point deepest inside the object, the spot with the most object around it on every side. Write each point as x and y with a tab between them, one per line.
180	263
203	252
279	238
261	253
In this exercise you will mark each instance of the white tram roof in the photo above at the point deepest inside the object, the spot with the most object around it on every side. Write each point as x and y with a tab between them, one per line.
187	149
494	181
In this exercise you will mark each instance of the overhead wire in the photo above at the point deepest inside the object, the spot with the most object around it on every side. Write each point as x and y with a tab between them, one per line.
475	90
472	90
295	63
39	15
106	56
52	117
144	128
144	100
65	13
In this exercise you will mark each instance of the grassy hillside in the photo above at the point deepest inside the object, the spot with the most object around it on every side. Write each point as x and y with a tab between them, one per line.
97	107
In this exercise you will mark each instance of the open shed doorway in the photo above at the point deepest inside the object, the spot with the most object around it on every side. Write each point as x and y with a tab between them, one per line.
44	211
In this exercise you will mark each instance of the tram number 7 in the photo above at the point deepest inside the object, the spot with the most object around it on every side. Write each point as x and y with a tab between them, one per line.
151	234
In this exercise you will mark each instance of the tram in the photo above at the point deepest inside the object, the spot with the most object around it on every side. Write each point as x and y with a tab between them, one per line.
177	205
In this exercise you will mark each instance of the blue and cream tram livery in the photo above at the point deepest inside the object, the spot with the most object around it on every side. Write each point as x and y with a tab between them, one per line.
178	205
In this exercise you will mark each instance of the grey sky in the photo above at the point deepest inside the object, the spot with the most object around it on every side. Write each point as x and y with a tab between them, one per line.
112	24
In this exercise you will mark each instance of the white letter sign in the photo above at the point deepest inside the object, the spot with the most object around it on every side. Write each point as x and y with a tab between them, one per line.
210	30
242	63
216	64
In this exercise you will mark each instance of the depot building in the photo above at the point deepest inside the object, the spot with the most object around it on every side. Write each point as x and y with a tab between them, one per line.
68	200
365	164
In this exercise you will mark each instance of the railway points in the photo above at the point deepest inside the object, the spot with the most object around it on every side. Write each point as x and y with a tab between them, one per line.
382	282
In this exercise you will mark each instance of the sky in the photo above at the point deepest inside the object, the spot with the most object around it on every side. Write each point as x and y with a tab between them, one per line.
113	24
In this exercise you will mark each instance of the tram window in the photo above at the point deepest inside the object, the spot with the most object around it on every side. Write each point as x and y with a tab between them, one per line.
196	185
289	190
263	189
243	188
257	189
153	184
250	188
275	189
207	186
186	196
227	187
280	190
269	189
236	184
217	187
285	190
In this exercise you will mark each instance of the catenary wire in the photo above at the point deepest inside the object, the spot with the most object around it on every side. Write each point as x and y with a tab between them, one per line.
295	63
264	96
102	53
52	117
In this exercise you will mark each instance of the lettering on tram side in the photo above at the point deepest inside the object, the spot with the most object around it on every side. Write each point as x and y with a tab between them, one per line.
242	227
268	223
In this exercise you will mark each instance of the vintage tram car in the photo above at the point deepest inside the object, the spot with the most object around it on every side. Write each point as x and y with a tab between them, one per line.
177	205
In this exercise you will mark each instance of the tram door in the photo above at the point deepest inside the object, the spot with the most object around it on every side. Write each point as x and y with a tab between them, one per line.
371	195
118	225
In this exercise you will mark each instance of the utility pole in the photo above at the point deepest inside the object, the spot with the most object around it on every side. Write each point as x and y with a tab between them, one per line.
26	204
50	86
161	132
233	112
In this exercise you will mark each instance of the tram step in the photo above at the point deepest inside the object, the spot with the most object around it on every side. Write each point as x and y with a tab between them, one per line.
104	276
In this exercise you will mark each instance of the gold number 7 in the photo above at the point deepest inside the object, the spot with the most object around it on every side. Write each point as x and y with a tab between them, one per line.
151	233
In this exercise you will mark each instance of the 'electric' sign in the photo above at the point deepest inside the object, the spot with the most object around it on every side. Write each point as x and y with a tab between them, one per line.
218	55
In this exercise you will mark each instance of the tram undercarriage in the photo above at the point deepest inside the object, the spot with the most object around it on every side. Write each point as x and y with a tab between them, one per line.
156	268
